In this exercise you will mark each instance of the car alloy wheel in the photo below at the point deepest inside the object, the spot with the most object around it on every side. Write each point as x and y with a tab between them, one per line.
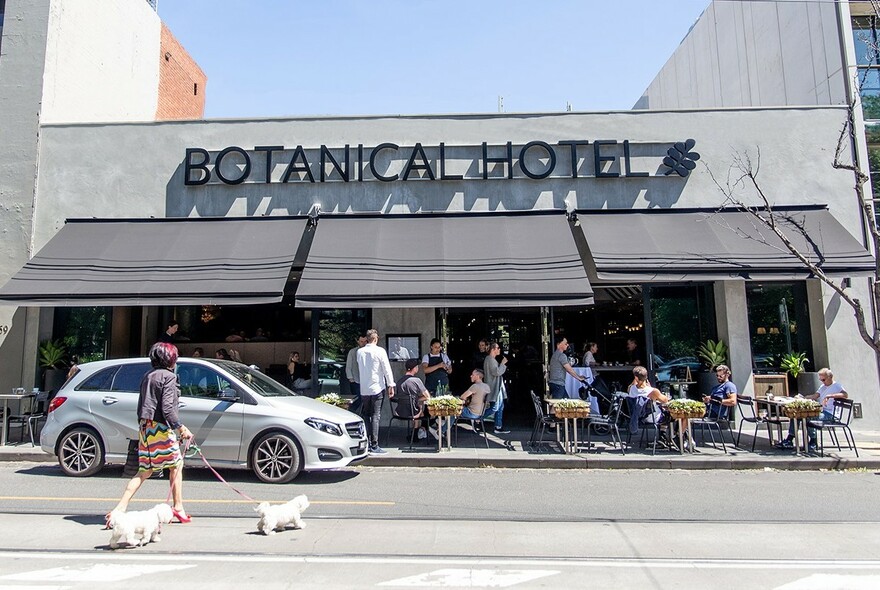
80	453
276	458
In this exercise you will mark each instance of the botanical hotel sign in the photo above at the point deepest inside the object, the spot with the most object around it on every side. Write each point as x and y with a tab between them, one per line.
390	162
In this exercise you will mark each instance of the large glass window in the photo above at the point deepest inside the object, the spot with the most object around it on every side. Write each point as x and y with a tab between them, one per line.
778	323
84	331
682	318
865	39
280	322
338	330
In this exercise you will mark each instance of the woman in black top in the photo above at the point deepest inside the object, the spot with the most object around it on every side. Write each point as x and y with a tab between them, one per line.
159	429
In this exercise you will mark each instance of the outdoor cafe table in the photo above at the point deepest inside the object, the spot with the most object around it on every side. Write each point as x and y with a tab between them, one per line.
445	420
570	437
19	395
774	407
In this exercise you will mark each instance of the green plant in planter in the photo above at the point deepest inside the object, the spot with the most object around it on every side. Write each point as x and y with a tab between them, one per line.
689	407
447	402
793	363
803	405
52	353
570	404
713	353
333	399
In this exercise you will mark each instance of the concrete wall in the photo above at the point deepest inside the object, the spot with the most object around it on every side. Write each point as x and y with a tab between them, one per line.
136	170
21	74
754	54
102	61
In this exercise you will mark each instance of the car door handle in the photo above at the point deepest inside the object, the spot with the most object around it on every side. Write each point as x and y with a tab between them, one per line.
109	401
181	405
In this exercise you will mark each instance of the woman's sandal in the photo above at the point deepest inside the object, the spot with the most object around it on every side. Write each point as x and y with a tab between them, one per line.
181	516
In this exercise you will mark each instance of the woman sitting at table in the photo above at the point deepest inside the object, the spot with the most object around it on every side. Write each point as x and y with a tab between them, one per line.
589	360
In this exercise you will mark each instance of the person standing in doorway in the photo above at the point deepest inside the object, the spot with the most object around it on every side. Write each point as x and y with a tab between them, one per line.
480	354
494	370
375	377
559	366
169	334
352	373
437	368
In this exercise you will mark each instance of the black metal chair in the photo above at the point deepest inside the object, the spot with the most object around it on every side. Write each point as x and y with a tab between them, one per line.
842	411
644	418
712	421
746	406
542	422
475	421
33	409
608	422
415	413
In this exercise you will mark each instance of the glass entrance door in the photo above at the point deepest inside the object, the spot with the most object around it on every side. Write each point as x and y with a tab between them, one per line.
519	333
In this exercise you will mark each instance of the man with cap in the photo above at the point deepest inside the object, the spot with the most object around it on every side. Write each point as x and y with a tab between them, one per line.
409	397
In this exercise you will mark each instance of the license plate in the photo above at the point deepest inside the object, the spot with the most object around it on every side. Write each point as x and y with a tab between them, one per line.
362	446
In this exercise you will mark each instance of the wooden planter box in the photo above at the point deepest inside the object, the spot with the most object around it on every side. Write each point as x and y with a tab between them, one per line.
571	412
801	414
444	412
682	414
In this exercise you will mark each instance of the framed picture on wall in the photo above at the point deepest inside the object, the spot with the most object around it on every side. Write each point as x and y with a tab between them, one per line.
401	347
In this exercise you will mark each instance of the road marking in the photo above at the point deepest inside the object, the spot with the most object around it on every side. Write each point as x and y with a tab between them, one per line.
462	578
30	587
833	582
625	562
99	572
191	501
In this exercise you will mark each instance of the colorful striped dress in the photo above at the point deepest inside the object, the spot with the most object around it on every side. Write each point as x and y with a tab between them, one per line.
157	447
158	418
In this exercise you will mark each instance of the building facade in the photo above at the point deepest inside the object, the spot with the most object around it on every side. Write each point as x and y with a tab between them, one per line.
598	226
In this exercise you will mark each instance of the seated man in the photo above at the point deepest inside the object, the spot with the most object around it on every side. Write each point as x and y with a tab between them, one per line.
723	394
829	391
410	396
640	392
475	397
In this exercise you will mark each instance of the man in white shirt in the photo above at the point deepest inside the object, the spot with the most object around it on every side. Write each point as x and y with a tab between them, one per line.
829	391
375	378
352	373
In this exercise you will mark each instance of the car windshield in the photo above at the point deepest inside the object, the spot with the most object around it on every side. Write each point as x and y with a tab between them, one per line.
260	383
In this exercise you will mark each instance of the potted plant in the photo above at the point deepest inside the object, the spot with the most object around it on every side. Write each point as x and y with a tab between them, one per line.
712	354
686	408
334	400
802	408
800	381
444	405
571	408
51	358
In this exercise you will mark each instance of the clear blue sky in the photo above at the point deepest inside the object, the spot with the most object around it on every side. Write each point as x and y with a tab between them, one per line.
267	58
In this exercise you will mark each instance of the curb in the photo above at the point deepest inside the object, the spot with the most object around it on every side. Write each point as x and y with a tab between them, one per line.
450	460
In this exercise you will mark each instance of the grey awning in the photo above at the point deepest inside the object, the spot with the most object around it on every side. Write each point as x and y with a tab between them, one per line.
451	260
670	245
160	262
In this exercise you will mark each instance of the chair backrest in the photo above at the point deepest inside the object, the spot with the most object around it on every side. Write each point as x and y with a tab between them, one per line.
539	406
746	406
615	408
843	409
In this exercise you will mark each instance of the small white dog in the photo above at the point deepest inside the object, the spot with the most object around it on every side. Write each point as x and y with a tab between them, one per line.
138	527
277	517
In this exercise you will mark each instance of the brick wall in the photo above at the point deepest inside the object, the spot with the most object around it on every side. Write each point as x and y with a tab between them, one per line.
181	82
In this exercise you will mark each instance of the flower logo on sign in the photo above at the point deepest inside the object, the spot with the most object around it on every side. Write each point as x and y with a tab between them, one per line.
681	159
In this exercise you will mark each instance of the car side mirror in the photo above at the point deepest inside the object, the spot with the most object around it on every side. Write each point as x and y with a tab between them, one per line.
229	394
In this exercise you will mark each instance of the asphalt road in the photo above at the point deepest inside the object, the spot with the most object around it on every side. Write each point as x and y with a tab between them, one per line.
421	527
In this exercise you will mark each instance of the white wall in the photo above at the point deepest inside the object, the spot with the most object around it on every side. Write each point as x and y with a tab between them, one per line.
102	61
754	54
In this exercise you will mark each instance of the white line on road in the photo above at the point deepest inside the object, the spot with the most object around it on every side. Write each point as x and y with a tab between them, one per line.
580	562
470	578
98	572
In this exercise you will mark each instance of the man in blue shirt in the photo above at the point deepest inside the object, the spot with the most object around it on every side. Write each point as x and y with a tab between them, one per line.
723	394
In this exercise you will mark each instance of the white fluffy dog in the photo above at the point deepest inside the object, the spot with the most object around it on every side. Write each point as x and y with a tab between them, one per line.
138	527
277	517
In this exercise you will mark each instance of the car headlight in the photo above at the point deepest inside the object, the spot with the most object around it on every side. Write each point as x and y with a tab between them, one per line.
324	426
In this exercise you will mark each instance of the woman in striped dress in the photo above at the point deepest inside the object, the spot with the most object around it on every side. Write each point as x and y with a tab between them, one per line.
160	429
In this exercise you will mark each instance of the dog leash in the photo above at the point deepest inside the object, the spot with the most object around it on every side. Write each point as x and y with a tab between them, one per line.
191	444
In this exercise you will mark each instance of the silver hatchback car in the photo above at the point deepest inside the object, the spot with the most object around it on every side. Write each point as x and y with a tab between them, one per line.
238	416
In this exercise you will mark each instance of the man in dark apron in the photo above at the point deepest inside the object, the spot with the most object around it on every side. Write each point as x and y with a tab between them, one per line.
437	367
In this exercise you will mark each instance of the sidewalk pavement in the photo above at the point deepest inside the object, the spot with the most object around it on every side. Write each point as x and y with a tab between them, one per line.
512	451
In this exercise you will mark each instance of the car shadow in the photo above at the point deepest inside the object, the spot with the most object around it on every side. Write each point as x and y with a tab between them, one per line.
203	474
